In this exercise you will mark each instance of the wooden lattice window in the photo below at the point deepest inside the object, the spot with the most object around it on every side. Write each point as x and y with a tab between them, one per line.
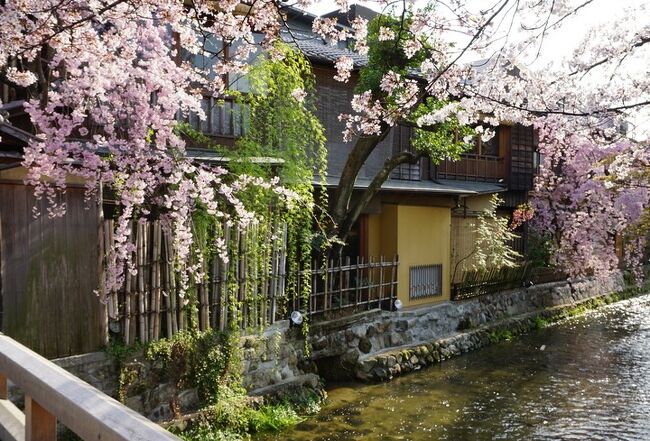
425	281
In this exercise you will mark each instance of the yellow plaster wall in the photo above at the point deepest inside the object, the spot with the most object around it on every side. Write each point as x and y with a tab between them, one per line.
420	236
382	233
478	203
423	238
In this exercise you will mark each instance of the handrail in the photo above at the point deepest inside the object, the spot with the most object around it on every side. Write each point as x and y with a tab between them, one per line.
52	393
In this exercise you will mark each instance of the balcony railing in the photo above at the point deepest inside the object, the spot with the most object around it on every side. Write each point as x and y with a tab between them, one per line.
472	167
223	118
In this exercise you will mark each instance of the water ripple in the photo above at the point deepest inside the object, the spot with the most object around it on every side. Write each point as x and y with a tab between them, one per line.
592	382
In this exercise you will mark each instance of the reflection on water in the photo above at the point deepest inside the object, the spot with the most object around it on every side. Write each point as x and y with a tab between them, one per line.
591	381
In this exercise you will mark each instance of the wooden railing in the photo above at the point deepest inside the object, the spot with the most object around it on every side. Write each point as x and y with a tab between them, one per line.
345	286
472	167
223	117
53	394
478	283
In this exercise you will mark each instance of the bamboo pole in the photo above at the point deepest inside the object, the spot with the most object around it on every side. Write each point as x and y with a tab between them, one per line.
173	296
264	282
158	232
101	268
140	290
241	279
127	303
223	285
151	263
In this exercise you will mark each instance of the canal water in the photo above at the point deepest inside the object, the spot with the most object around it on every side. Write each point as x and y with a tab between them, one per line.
585	378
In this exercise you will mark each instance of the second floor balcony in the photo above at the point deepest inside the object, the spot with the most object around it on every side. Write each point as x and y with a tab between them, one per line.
472	167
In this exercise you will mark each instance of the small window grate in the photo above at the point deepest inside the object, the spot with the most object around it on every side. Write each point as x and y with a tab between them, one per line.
425	281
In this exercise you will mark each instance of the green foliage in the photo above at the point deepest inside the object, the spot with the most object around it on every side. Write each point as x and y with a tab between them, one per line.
195	137
502	335
540	323
206	360
539	250
493	235
446	141
384	56
280	125
118	351
233	418
283	125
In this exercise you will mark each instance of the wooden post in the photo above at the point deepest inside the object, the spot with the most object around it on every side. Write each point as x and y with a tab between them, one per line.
4	393
40	425
103	311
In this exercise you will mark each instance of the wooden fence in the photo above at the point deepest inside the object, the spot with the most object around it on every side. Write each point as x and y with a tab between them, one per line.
48	273
248	290
343	287
477	283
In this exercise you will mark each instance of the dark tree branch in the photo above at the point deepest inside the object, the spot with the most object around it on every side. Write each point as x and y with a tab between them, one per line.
389	165
357	157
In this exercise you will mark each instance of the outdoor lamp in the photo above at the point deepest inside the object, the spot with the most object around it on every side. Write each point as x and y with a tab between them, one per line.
295	319
397	304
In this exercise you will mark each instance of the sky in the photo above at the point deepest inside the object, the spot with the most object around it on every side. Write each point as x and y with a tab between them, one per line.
561	43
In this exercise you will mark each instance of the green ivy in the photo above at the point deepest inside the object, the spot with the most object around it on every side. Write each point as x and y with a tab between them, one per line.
208	361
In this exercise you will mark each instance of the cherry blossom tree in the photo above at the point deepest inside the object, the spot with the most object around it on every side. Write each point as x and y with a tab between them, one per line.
106	80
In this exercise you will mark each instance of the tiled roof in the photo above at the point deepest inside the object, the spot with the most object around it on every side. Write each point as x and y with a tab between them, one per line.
318	50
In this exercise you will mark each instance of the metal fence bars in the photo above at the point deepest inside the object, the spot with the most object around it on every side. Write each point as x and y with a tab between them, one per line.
342	287
477	283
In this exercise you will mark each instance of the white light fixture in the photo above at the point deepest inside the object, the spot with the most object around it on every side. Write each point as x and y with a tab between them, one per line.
398	304
296	318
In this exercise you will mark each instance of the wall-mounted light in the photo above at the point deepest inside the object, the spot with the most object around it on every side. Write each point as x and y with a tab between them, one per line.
398	304
295	319
115	326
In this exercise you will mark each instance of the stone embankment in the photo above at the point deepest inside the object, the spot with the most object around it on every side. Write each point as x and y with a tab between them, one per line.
380	344
370	346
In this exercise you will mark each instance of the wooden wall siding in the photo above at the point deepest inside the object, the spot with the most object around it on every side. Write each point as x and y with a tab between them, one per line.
472	167
463	241
523	142
402	142
333	99
49	273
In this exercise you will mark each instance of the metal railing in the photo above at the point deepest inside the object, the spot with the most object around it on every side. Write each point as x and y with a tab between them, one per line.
52	394
425	281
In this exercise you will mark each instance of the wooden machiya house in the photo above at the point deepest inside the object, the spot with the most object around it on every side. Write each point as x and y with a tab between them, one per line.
49	268
425	212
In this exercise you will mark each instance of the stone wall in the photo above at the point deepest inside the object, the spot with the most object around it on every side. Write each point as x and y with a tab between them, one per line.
342	348
374	345
272	364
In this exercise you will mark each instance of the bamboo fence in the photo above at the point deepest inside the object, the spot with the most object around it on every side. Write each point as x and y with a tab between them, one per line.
246	291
